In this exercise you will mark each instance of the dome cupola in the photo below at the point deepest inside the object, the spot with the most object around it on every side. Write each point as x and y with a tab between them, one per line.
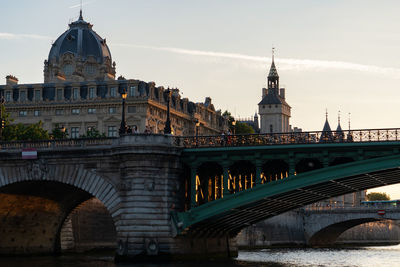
79	54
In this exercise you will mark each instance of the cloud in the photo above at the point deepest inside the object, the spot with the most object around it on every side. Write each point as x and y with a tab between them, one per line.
285	63
83	4
13	36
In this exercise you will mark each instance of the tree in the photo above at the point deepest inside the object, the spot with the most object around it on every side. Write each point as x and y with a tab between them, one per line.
243	128
59	132
21	132
237	127
377	196
92	132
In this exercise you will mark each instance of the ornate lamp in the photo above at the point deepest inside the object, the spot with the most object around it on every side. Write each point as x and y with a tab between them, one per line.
122	128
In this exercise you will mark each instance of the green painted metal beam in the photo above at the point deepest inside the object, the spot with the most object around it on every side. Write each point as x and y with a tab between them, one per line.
230	202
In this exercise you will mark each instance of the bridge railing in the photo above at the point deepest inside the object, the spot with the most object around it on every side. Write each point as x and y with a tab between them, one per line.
314	137
44	144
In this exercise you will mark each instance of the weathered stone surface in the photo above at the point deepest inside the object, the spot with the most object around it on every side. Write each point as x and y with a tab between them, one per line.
137	179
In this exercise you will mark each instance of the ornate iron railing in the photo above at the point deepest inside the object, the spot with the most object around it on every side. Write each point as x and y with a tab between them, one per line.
316	137
43	144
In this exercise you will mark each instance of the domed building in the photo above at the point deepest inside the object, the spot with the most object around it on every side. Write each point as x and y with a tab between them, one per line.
79	54
80	92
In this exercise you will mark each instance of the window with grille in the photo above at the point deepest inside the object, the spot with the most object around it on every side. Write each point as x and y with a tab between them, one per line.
112	131
75	132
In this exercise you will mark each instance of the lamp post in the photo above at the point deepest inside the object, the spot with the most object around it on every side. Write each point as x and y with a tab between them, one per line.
122	128
167	128
197	131
234	127
2	100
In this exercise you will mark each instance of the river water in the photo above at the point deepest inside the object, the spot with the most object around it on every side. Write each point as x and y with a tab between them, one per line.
385	256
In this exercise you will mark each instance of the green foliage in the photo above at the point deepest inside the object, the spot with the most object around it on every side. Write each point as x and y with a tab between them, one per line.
377	196
236	126
59	132
243	128
92	132
21	132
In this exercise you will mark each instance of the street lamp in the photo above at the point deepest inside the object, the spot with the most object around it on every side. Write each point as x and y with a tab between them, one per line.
197	128
167	128
122	128
2	100
234	127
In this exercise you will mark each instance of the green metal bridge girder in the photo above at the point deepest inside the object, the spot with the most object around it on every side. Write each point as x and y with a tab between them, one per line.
329	151
236	211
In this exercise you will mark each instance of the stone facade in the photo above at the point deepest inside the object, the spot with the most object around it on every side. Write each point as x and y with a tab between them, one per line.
80	92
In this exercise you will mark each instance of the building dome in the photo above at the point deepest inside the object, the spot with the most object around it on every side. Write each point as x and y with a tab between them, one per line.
79	54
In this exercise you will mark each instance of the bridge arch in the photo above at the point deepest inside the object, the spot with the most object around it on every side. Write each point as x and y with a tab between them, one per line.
242	173
308	164
209	184
328	235
40	196
274	169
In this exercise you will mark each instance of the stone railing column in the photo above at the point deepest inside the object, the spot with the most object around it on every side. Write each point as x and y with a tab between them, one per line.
258	172
225	176
292	164
193	191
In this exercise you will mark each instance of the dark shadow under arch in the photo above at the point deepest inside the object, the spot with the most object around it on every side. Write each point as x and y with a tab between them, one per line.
328	235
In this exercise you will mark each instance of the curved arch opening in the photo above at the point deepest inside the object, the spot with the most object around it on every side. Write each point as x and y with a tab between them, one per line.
308	164
208	182
88	227
273	170
32	214
328	235
242	176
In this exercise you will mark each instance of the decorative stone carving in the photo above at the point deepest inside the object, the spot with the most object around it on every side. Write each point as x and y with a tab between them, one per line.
38	170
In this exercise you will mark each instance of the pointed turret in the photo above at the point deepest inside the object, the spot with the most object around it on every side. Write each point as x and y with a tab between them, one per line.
326	135
273	77
349	134
339	134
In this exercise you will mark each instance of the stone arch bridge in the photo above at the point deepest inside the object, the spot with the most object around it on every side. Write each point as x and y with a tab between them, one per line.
177	197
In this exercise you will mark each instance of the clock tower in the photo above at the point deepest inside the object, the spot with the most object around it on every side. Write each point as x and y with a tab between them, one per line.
273	109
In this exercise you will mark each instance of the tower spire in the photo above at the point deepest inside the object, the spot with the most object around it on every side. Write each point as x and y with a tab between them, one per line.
80	12
273	53
338	117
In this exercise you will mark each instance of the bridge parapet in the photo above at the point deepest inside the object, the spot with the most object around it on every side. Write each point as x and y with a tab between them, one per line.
313	137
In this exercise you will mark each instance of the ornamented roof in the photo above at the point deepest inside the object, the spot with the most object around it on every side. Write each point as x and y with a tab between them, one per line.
273	73
81	41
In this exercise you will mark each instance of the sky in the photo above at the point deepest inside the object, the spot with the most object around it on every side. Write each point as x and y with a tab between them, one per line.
338	55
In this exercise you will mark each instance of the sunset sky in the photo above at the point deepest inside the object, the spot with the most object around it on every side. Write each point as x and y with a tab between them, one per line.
335	55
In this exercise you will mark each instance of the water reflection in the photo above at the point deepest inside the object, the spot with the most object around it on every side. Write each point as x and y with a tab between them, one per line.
351	257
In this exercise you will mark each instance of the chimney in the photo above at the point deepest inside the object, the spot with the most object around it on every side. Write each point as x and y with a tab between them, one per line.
11	80
282	92
264	92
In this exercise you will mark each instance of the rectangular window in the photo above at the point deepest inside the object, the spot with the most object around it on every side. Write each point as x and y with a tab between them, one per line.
91	110
75	132
23	113
113	91
112	110
75	111
112	131
8	96
59	94
36	113
132	90
92	92
59	112
131	109
75	93
22	96
37	95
